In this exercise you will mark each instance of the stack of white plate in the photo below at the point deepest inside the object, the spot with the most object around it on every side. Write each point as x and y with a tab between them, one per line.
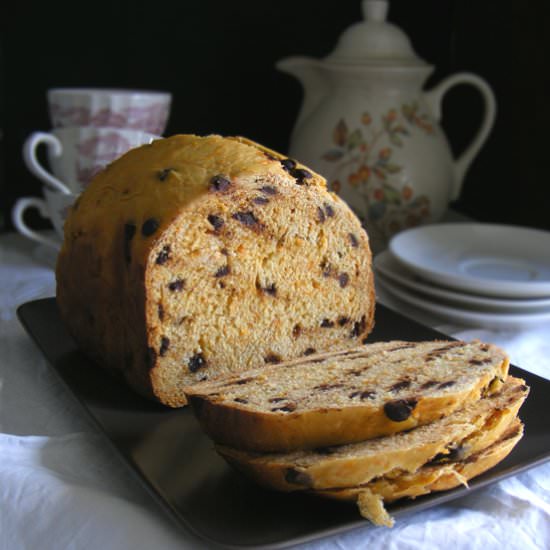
478	274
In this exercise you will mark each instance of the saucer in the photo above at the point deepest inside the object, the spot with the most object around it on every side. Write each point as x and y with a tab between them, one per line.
389	268
491	320
479	258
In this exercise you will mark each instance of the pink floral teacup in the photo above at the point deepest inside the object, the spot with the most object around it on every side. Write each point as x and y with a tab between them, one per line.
134	109
76	154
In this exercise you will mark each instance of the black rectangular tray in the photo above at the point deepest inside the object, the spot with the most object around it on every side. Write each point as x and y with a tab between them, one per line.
177	463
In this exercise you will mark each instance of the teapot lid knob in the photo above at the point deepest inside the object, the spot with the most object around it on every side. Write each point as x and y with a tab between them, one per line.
375	10
375	41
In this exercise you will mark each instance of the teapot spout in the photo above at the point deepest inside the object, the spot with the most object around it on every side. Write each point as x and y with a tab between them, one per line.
312	79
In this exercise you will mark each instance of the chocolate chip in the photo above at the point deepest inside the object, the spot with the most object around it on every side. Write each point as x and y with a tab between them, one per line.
402	346
327	387
164	345
326	268
244	381
240	400
164	255
196	362
260	200
479	361
343	280
296	477
149	227
320	215
272	358
219	183
447	347
246	218
329	210
359	327
398	386
400	409
362	394
289	407
270	289
288	164
368	395
356	372
269	190
129	232
222	271
177	285
151	357
296	331
343	320
164	173
429	384
309	351
215	221
353	240
301	175
444	385
327	323
160	311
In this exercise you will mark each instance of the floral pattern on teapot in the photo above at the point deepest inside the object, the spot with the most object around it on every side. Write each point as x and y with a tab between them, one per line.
364	158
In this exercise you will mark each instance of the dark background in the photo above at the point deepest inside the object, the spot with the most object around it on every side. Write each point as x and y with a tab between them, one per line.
217	58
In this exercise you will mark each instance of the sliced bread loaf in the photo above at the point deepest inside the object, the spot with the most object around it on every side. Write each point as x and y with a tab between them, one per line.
371	497
334	399
194	257
462	433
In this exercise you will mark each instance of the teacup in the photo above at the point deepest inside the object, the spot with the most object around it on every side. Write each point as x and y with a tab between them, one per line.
134	109
54	206
76	154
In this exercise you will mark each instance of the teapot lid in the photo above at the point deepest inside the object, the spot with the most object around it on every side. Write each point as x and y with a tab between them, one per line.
375	41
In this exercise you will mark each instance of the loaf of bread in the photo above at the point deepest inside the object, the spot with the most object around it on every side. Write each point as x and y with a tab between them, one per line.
372	496
194	257
333	399
460	434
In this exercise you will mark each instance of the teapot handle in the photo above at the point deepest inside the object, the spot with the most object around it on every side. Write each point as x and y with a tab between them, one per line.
434	99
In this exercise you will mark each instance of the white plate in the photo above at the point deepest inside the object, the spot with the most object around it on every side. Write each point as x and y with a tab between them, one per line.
464	316
388	267
485	259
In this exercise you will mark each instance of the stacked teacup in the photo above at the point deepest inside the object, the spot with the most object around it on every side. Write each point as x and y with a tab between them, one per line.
91	128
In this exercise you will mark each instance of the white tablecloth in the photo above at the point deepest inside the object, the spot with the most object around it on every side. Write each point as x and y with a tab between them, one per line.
62	485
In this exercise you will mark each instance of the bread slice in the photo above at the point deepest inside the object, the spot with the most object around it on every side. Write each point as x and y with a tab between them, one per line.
194	257
464	432
334	399
371	497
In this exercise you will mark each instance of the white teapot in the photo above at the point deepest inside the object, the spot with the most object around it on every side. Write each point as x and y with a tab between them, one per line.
370	129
